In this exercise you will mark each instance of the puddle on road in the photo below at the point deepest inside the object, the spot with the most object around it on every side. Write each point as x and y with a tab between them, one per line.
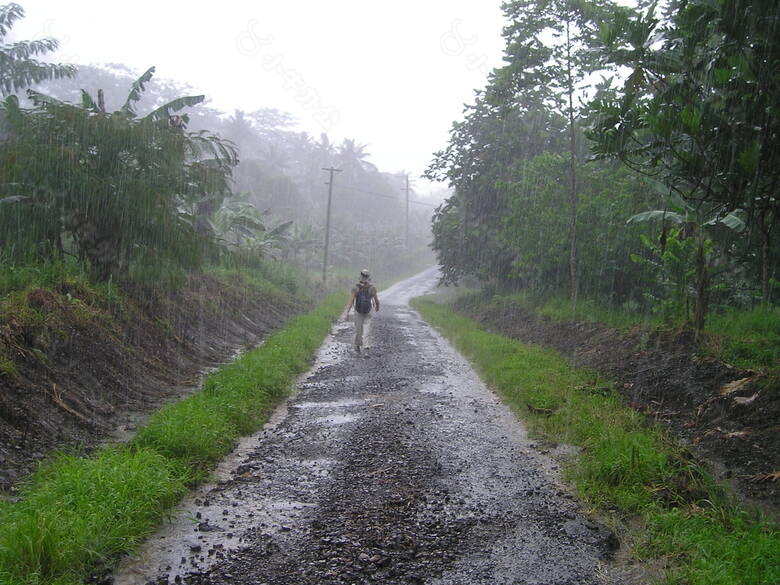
436	388
345	403
204	535
332	351
337	419
288	505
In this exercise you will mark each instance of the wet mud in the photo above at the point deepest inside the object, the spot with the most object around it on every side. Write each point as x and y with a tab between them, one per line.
397	466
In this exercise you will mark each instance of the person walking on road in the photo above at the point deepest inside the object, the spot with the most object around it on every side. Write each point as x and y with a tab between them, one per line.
363	298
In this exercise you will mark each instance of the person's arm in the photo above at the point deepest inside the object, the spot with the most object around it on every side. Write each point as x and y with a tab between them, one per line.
376	301
351	302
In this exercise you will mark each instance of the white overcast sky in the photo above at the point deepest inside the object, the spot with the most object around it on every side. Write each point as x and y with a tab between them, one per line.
397	73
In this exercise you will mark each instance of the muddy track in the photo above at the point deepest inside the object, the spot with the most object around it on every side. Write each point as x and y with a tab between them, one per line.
398	467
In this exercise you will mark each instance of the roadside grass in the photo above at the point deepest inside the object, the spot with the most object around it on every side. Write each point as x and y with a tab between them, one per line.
76	512
265	275
237	398
745	338
76	515
559	308
626	468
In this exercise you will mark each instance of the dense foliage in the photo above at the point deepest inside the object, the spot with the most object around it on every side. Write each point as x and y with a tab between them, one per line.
117	187
556	177
19	67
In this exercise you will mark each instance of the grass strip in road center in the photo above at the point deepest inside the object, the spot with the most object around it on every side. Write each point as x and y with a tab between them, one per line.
78	514
627	467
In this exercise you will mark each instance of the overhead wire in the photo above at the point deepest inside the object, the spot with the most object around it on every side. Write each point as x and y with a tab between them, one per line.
377	194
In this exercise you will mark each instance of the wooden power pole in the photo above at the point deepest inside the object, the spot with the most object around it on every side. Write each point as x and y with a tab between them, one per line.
406	236
331	170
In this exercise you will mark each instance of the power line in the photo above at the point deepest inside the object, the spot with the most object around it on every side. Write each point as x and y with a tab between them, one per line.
385	195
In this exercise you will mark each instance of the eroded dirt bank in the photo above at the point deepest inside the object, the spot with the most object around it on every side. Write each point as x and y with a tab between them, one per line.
662	376
397	468
87	373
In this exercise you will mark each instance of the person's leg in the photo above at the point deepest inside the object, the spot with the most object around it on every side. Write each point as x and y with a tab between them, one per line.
366	329
359	319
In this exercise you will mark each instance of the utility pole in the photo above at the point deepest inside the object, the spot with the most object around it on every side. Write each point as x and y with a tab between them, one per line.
406	238
331	170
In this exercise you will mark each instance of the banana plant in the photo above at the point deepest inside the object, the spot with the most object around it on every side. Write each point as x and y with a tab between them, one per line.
124	188
301	242
239	224
19	67
692	224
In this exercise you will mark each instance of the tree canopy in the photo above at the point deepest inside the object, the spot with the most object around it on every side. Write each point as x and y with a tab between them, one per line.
19	67
548	164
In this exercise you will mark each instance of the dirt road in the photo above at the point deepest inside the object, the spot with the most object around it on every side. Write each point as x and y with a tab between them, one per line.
399	467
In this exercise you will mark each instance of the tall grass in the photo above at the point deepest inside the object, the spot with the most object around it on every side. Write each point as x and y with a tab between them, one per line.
77	514
747	339
626	467
265	274
559	308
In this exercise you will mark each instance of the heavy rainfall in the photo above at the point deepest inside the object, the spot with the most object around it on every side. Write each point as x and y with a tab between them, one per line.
442	293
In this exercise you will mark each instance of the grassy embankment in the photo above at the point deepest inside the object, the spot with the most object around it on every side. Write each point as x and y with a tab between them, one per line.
77	514
747	338
626	469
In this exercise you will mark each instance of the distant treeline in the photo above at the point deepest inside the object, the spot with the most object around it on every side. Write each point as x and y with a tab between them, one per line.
123	173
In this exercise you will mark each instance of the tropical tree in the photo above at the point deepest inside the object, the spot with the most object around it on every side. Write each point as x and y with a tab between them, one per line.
550	41
353	159
241	225
528	108
692	224
19	67
303	242
112	188
699	110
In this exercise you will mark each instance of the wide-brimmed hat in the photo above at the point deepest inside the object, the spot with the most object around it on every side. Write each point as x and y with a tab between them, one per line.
365	273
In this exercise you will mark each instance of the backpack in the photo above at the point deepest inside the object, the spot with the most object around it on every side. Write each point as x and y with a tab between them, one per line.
363	299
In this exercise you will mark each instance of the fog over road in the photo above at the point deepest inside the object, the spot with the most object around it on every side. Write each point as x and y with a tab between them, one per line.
399	467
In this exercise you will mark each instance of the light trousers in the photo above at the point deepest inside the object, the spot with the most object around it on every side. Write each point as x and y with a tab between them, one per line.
362	323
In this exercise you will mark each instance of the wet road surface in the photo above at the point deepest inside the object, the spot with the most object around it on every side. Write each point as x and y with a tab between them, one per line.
395	467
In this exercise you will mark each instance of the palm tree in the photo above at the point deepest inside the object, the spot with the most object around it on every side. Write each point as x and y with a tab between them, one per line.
326	148
18	66
353	159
